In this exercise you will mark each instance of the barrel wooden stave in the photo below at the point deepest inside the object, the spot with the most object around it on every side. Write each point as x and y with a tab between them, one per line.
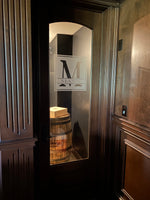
60	139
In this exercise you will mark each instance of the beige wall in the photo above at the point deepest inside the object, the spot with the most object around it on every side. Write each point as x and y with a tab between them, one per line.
82	41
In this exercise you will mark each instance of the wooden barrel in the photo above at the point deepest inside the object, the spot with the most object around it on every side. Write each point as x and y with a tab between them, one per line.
60	139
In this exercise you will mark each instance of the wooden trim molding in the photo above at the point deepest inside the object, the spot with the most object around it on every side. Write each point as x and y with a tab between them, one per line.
98	3
25	142
108	67
108	58
131	127
126	194
137	148
93	5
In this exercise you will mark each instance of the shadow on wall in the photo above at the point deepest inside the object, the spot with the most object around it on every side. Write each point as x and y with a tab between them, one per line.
78	140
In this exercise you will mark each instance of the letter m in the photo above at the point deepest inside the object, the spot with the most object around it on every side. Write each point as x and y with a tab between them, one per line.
66	69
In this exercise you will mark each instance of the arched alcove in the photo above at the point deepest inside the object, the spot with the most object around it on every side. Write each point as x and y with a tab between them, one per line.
70	46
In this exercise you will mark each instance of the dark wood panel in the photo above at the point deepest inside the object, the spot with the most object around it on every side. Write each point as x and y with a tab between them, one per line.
29	60
16	171
18	64
95	5
24	62
132	160
7	64
12	65
16	70
3	101
91	5
107	93
137	176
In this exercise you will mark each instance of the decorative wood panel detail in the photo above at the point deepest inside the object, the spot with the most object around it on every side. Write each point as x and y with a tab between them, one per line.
15	69
132	160
16	176
137	176
137	148
107	72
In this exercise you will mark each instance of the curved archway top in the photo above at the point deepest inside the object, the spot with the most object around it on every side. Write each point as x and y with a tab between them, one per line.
63	28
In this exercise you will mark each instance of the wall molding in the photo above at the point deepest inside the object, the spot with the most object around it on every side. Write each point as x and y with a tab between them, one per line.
97	3
137	148
133	128
93	5
126	194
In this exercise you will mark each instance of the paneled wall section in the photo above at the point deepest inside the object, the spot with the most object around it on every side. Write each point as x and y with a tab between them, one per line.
15	70
132	133
16	171
132	160
132	83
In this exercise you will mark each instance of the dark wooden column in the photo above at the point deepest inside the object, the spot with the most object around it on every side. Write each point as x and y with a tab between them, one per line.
15	70
16	111
64	47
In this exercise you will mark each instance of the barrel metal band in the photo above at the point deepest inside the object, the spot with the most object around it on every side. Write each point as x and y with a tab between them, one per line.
59	123
59	134
59	119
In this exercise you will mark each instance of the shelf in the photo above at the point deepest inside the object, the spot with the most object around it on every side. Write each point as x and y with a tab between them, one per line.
73	156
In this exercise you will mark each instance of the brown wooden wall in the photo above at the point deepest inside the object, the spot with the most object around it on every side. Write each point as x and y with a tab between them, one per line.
16	124
16	171
119	151
108	59
132	83
15	70
132	133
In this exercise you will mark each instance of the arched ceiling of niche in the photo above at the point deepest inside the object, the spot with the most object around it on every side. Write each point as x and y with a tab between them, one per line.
62	28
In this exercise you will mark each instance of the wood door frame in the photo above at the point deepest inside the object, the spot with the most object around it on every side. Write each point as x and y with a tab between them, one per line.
100	130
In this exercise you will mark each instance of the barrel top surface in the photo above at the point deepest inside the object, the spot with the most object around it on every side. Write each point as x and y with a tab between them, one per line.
61	117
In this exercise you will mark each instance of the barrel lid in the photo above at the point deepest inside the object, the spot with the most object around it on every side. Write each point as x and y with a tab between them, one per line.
60	117
56	112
